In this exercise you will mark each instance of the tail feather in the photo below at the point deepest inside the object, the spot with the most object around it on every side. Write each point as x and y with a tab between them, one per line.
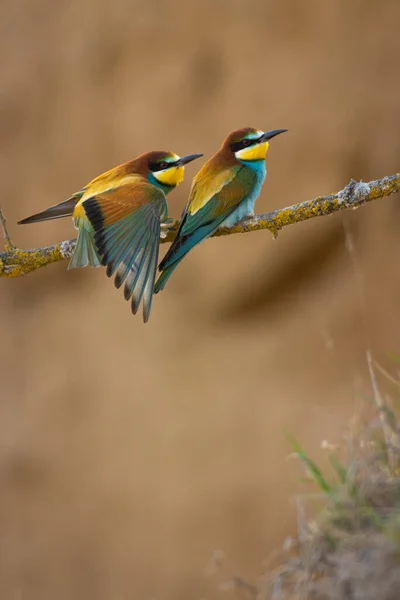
63	209
85	253
184	243
177	252
93	256
164	276
181	246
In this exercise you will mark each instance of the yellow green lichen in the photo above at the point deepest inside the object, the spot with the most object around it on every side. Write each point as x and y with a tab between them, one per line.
20	262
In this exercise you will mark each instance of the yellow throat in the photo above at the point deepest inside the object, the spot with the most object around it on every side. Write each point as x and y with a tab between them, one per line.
257	152
172	176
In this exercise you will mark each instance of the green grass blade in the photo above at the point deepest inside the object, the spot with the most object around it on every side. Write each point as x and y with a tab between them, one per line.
311	467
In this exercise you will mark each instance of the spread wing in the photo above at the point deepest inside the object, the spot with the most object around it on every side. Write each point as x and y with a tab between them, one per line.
126	222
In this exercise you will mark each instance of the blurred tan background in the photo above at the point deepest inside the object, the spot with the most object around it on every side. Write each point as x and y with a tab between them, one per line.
129	453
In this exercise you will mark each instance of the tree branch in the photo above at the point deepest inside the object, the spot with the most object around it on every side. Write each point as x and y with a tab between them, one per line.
15	262
9	245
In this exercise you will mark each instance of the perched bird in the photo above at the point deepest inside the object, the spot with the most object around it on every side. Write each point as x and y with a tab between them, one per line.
119	216
223	192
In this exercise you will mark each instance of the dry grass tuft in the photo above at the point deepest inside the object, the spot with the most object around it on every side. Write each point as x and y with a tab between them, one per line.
351	549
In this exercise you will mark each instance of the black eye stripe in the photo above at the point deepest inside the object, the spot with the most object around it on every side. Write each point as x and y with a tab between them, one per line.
160	166
243	144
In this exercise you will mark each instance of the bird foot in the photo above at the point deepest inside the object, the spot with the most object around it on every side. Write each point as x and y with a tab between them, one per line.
166	226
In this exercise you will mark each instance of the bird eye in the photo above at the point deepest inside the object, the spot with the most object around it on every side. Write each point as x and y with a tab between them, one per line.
246	143
162	165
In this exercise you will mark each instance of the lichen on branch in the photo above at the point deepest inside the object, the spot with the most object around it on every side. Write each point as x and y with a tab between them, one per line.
15	262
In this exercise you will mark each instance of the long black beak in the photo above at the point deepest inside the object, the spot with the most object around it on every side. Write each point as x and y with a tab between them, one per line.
184	160
270	134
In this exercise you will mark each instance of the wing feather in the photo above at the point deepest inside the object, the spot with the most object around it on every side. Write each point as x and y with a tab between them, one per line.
149	287
209	181
127	224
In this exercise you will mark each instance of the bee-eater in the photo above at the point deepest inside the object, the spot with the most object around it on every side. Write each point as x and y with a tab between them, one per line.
223	192
119	216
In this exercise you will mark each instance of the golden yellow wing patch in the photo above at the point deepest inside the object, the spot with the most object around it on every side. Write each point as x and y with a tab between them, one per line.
235	192
209	181
117	203
104	183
